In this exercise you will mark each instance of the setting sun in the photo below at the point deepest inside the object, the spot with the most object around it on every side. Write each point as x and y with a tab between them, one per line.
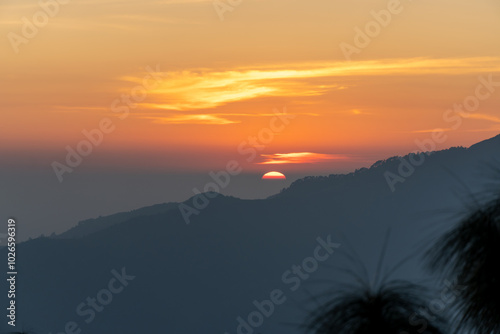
274	176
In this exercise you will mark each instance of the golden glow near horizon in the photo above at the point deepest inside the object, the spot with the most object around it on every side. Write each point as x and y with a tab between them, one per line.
222	79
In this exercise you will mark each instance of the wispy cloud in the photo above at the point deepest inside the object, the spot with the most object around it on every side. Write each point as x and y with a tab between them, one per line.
359	112
192	119
204	88
483	117
209	119
136	19
299	158
433	130
477	116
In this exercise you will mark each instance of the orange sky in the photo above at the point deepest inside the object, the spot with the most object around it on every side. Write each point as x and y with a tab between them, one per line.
211	83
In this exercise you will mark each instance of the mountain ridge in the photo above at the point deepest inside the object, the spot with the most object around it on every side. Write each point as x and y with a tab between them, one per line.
235	251
93	225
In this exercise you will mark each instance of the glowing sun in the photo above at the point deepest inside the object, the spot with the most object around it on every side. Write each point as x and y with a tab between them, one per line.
274	176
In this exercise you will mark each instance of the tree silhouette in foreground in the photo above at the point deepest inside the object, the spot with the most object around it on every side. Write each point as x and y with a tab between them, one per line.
392	309
471	252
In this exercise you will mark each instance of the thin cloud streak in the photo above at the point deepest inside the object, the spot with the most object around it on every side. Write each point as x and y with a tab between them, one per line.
192	119
482	117
299	158
432	130
209	119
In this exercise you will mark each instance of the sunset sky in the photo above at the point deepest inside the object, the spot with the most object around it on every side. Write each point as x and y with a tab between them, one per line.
212	83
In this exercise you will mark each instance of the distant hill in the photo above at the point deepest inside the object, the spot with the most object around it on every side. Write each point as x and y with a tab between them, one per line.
93	225
199	278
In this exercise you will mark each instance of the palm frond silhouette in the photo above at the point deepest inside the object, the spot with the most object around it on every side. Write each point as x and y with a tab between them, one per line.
392	307
470	252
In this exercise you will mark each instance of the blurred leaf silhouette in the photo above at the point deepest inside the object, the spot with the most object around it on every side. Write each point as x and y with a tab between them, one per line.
470	251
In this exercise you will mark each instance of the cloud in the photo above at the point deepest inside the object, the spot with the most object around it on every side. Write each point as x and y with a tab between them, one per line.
359	112
203	88
192	119
210	119
483	117
299	158
433	130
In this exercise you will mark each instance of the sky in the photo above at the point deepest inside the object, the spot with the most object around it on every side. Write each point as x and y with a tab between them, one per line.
220	81
187	86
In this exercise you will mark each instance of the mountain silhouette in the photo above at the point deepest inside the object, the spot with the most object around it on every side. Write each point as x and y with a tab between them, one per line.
220	271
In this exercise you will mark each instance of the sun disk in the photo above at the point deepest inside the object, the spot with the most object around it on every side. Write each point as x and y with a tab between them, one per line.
273	176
